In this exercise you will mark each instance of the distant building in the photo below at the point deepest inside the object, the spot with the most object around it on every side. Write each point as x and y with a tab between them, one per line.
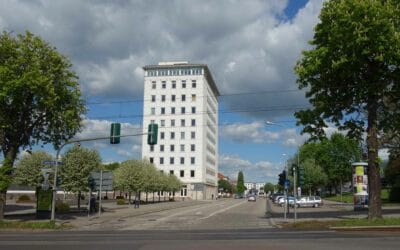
257	186
222	177
182	98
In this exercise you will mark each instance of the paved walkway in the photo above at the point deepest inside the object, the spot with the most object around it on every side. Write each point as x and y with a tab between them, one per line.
114	213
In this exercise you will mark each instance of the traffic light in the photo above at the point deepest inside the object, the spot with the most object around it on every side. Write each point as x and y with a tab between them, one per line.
282	178
115	133
300	175
152	134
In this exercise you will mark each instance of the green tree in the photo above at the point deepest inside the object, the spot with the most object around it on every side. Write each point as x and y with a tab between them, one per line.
40	100
240	183
351	75
392	176
225	186
314	176
130	176
269	187
28	170
78	162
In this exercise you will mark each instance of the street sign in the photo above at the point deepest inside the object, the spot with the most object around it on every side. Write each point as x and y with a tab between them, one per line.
287	184
52	163
107	182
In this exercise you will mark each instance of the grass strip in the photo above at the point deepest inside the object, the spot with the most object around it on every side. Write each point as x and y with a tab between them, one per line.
33	225
314	224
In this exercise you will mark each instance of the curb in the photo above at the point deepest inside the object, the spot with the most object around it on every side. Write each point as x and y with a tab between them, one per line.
367	228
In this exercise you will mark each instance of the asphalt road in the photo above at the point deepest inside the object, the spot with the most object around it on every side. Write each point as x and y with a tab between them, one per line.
221	214
199	239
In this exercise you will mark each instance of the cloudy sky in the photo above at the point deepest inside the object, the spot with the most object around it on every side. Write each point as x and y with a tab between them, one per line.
250	47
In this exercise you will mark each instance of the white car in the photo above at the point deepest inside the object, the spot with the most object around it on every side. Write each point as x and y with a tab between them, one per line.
251	198
310	201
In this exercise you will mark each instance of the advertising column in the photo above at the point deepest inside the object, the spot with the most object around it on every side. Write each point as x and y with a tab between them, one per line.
360	185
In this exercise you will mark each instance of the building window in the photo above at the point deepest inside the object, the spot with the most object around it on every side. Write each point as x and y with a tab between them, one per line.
171	172
153	98
183	84
173	123
162	135
183	123
192	147
193	110
173	110
172	148
193	97
183	110
151	148
173	98
153	111
182	160
153	85
194	84
172	135
183	98
152	121
193	135
161	160
182	135
163	111
163	98
163	84
192	160
161	148
182	173
182	148
193	122
151	159
174	84
171	160
191	173
162	123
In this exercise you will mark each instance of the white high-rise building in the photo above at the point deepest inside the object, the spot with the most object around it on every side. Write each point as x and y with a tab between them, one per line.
182	99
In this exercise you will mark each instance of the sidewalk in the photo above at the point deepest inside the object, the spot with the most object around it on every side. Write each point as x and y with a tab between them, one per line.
114	213
329	211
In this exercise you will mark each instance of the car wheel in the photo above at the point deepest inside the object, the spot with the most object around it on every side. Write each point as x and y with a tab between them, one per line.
298	205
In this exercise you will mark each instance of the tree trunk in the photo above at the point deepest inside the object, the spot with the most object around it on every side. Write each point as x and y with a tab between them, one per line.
2	203
5	176
147	194
374	180
79	201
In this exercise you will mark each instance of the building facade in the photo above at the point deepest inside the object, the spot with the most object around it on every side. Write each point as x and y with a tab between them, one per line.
182	98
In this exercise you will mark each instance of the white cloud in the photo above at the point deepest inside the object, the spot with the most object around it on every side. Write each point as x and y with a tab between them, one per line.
248	45
248	133
262	171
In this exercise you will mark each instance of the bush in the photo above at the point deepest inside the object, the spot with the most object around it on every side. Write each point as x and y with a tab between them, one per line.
120	201
62	207
24	198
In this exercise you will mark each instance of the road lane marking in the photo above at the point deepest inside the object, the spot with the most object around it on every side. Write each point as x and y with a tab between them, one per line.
222	210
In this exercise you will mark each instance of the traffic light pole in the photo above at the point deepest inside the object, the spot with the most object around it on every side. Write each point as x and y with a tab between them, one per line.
53	202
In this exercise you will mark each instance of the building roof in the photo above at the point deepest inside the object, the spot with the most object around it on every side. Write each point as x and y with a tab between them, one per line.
184	64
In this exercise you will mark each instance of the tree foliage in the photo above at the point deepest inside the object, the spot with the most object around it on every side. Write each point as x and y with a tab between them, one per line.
142	176
269	187
225	185
314	175
78	162
240	183
351	75
29	169
40	100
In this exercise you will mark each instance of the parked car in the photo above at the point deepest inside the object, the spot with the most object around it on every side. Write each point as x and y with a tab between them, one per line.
276	199
261	194
274	195
282	201
251	198
310	201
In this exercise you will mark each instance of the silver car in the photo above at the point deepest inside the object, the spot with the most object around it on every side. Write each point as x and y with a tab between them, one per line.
310	201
